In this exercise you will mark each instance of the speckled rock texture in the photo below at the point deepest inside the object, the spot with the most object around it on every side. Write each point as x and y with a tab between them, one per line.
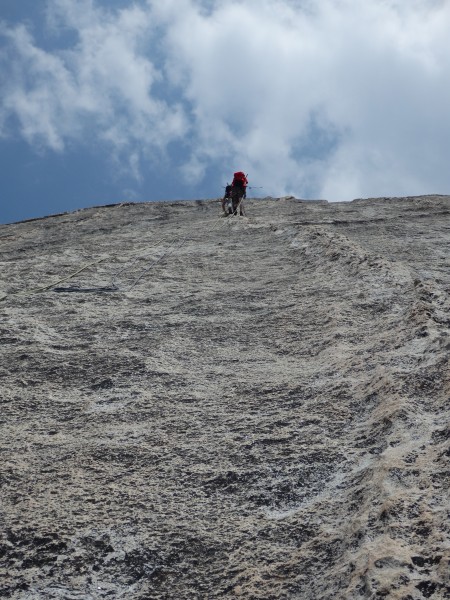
198	407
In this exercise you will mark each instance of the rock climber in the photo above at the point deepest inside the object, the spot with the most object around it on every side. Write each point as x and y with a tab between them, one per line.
239	191
226	196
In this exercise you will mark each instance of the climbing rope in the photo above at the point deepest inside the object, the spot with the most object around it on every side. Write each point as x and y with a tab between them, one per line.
52	285
171	249
138	258
155	262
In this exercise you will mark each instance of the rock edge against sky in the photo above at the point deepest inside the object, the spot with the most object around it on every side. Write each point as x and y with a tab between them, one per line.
227	408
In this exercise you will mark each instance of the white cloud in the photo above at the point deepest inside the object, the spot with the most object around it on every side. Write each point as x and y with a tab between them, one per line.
100	89
336	99
375	74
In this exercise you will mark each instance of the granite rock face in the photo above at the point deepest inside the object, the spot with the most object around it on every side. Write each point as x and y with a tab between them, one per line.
197	407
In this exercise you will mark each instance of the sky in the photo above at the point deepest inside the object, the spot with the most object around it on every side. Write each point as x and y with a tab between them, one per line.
105	101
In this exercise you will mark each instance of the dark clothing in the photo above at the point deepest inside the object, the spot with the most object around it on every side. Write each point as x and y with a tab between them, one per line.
240	189
228	192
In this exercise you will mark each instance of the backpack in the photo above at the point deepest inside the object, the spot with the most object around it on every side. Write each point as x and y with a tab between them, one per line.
240	179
